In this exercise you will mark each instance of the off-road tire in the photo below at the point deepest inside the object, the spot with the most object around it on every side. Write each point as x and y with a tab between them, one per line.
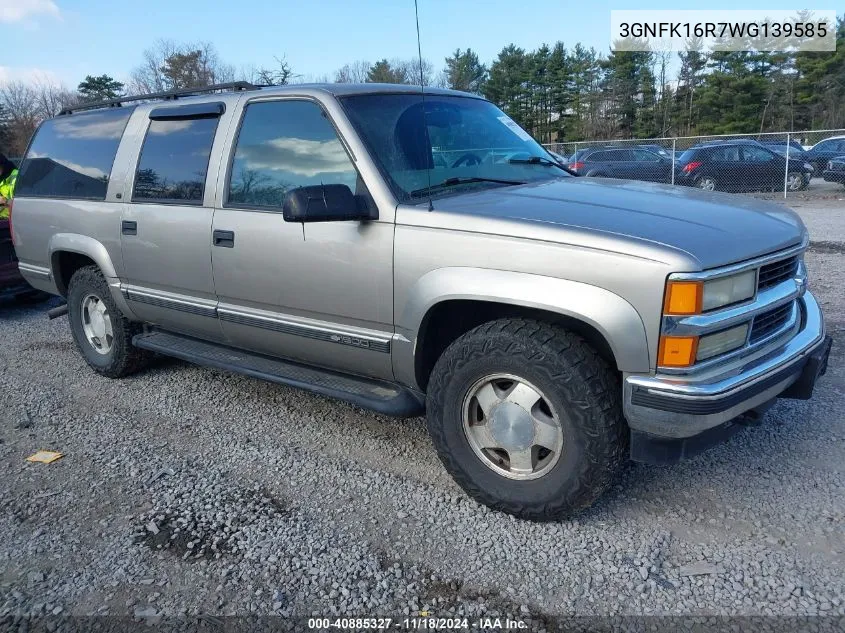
123	358
581	386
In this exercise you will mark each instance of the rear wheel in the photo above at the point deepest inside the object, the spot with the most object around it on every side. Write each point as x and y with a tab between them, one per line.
706	183
527	418
101	333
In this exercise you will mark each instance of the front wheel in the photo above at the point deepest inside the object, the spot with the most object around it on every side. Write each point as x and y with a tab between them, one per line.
527	418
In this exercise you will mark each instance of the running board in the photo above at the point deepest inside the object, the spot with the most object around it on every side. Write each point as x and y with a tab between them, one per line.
377	395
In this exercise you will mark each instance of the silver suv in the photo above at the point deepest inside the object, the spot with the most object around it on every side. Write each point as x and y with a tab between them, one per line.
414	253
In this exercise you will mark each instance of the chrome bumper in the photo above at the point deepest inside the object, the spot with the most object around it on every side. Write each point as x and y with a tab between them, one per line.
685	406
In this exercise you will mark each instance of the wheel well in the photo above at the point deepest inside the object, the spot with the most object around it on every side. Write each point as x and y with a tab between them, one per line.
448	320
64	264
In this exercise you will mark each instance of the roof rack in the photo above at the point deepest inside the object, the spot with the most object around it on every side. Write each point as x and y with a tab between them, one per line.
169	95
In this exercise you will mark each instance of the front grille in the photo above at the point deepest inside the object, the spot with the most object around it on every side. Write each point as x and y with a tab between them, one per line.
776	272
769	322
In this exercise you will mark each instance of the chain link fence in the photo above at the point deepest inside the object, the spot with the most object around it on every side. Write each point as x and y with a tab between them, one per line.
785	163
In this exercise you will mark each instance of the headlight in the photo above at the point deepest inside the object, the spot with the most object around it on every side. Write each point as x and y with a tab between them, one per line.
808	167
830	165
714	344
695	297
728	290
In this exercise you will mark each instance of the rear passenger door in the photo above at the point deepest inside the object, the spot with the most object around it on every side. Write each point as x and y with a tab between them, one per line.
166	224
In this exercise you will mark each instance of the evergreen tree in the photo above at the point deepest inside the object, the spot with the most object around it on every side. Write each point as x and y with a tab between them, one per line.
383	72
465	72
99	88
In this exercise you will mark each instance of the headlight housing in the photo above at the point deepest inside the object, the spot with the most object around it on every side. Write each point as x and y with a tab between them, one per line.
728	290
711	345
695	297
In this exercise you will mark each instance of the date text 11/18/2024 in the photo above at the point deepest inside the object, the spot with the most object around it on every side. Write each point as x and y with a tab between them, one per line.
421	623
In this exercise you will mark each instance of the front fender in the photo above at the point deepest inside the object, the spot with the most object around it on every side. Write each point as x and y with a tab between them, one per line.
611	315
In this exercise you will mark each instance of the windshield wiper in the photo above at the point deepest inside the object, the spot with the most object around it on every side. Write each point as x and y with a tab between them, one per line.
541	160
451	182
536	160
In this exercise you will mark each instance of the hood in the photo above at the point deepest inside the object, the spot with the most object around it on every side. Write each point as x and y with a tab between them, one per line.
713	228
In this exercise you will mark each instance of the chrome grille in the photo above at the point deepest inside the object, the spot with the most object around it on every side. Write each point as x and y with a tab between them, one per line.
776	272
769	322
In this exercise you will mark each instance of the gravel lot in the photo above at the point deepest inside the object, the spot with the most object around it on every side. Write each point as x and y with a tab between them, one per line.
186	490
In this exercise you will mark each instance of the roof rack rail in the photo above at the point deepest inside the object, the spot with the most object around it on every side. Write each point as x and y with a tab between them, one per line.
169	95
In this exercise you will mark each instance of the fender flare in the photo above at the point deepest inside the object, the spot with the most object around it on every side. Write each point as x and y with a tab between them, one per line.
84	245
97	252
610	314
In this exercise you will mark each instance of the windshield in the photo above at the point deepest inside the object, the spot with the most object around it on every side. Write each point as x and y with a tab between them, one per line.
455	144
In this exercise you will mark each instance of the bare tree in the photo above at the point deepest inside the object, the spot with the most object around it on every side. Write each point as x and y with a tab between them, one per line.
25	105
279	75
20	113
168	65
354	73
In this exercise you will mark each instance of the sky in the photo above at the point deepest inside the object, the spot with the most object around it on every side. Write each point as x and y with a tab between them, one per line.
64	40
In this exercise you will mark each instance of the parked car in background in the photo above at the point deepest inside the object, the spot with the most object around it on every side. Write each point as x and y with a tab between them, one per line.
835	170
823	151
740	166
628	163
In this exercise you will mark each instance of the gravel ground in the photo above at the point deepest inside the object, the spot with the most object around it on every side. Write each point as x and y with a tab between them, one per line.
186	490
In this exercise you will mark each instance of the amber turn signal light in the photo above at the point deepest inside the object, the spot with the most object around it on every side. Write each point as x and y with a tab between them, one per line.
683	297
677	351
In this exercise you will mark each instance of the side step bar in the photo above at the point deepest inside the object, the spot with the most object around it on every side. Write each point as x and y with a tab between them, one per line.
377	395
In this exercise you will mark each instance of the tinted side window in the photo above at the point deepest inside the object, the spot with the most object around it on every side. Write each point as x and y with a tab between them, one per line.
756	155
645	155
597	157
174	160
71	156
283	145
729	154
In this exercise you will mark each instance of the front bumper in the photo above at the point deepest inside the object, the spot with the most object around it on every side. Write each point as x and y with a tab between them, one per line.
666	409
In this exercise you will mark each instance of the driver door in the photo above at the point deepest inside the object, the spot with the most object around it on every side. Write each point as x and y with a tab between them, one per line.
321	293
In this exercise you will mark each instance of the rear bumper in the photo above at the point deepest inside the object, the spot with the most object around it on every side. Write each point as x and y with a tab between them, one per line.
672	409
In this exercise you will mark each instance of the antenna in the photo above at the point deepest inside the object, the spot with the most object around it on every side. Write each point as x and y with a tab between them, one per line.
422	93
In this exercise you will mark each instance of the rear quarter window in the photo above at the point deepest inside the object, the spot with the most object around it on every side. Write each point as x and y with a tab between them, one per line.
71	156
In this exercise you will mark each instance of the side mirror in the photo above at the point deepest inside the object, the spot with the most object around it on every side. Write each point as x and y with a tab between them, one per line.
323	203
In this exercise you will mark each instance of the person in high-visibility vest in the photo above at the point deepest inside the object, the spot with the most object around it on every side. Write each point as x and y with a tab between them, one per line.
8	176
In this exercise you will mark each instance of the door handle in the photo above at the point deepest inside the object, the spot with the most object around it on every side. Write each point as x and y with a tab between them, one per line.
224	239
129	227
